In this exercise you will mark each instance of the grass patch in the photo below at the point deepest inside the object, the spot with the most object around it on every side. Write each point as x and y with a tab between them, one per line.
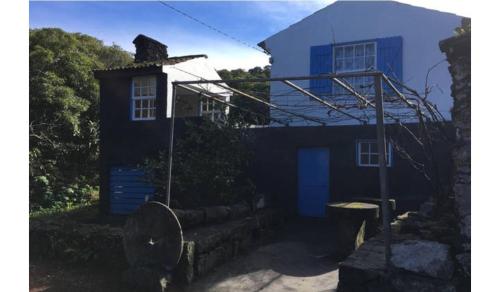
76	212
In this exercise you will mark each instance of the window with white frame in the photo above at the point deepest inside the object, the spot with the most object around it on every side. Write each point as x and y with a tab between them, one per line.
211	109
353	58
367	153
144	98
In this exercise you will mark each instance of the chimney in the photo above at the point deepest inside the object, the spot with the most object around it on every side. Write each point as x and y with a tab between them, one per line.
149	50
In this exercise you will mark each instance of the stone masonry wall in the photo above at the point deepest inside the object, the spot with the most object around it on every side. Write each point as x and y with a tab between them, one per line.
458	49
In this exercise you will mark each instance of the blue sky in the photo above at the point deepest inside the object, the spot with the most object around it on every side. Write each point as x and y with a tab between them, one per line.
120	22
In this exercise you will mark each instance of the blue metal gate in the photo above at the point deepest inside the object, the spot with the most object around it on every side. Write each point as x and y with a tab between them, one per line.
128	189
313	181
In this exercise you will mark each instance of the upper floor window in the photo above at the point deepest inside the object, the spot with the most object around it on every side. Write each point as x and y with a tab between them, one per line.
211	109
352	58
367	153
144	98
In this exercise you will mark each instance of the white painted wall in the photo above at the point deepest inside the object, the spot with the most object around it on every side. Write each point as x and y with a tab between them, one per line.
344	21
192	70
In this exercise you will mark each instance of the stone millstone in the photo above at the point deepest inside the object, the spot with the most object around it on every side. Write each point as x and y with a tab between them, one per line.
349	222
352	210
152	237
378	201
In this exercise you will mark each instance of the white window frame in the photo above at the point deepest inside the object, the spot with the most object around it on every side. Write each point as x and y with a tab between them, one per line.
208	108
151	96
354	81
370	153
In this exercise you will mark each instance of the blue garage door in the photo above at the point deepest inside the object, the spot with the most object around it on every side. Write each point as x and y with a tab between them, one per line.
313	181
129	189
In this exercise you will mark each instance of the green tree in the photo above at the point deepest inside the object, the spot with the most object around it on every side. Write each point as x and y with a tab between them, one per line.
258	89
63	123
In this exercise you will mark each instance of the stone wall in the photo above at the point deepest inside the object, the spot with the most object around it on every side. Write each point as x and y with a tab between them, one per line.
458	52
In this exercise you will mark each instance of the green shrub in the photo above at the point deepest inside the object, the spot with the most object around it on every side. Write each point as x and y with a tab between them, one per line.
210	167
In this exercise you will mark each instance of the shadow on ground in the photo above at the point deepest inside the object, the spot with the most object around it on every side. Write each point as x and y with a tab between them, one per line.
295	260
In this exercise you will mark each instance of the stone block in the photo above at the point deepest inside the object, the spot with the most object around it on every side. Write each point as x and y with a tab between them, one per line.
190	218
216	214
239	211
184	272
414	283
206	262
424	257
146	279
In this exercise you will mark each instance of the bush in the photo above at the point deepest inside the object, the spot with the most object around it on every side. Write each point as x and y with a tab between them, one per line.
210	166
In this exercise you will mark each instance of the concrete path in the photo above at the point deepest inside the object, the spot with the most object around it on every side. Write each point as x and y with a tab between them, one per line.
296	260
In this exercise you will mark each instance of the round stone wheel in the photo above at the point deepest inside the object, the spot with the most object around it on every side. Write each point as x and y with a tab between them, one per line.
378	201
152	236
352	210
350	220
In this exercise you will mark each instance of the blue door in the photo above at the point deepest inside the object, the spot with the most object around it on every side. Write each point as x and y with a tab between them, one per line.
313	181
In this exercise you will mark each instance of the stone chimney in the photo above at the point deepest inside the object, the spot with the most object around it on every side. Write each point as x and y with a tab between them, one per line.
149	50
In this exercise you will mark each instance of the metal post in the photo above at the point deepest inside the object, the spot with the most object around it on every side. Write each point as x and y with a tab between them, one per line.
171	144
382	162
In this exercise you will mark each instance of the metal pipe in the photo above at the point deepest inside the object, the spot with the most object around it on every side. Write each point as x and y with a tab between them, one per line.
261	101
171	145
382	162
208	94
402	96
353	92
365	100
311	77
300	89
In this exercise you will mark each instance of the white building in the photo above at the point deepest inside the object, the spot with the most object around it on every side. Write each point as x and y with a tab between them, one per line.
399	39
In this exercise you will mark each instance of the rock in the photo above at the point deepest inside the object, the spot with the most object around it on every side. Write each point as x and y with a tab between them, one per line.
427	208
424	257
239	211
206	262
184	272
414	283
147	279
216	214
190	218
464	262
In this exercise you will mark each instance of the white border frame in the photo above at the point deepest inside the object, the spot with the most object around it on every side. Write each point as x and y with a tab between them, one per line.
358	153
133	98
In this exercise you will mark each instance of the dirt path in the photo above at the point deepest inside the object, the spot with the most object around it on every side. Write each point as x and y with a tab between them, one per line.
296	261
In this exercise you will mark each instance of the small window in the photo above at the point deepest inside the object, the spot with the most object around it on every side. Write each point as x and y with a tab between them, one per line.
144	98
211	109
367	153
353	58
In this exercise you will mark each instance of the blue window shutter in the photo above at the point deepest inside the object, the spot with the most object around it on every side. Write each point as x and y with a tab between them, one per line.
390	57
321	62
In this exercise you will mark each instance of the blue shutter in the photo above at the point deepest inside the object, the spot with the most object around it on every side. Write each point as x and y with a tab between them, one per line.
321	62
390	57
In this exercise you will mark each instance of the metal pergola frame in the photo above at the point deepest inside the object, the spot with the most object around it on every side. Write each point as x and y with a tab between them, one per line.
379	79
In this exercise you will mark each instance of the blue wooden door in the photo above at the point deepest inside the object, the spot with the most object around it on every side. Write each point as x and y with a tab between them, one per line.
313	181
